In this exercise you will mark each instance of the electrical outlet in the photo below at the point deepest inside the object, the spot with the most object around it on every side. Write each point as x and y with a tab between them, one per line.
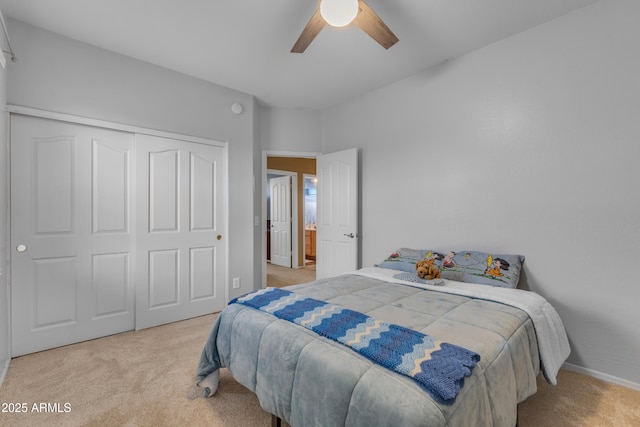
236	282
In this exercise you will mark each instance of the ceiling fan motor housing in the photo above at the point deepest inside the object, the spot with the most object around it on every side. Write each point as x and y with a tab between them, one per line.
339	13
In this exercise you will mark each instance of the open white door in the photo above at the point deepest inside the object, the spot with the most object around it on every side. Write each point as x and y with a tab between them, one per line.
337	215
280	190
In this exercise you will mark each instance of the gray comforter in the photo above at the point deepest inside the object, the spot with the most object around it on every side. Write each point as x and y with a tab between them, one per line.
308	380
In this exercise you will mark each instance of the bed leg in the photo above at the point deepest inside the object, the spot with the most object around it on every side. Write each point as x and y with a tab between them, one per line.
275	421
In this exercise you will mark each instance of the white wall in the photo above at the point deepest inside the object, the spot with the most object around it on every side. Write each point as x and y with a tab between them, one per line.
287	129
4	292
58	74
530	146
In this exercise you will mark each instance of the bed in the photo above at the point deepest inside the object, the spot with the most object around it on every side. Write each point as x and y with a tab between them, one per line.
308	379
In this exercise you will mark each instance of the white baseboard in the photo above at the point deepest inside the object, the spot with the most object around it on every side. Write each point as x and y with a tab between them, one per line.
604	377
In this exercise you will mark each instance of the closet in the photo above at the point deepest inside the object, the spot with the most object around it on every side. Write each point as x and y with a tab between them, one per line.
112	229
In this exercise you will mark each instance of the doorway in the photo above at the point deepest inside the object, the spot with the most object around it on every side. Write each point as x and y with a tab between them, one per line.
310	208
298	166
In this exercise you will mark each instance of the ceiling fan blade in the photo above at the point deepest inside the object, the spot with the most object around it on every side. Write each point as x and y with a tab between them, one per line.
369	22
314	26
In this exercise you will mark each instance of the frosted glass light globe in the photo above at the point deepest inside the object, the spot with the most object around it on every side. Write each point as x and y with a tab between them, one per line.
339	13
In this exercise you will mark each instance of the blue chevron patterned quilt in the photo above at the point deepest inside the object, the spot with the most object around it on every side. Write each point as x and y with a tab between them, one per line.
438	367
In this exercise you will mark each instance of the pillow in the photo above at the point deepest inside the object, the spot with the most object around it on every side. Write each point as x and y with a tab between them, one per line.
404	259
501	270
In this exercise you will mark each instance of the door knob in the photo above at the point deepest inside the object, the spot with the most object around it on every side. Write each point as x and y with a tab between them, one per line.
350	235
219	237
21	248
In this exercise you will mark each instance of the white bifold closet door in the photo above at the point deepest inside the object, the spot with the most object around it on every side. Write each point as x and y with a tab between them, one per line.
110	231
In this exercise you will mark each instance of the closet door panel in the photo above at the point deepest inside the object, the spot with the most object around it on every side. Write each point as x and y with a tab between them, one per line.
70	233
181	246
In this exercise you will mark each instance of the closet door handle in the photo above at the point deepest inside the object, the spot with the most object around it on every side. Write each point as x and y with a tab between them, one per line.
21	248
350	235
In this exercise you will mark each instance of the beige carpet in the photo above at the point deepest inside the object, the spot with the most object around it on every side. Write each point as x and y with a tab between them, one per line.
580	400
143	378
278	277
146	378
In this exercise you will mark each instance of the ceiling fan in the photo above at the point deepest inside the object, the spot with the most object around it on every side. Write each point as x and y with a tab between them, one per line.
340	13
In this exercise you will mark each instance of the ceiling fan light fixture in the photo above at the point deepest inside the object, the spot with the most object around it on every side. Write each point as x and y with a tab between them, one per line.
339	13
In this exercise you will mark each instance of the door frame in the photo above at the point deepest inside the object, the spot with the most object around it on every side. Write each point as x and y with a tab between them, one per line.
35	112
293	232
263	183
304	178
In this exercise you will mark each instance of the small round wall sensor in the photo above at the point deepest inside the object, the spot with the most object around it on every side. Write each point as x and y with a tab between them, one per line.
237	108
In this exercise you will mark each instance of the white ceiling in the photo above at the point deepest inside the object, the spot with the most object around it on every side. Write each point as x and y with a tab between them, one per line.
245	44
